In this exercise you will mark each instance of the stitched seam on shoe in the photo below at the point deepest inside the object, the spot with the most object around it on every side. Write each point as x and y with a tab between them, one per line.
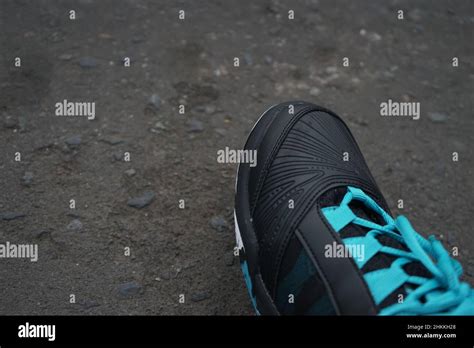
276	147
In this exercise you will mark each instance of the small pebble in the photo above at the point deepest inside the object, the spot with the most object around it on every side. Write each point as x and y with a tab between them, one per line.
248	58
10	122
210	109
9	215
372	36
118	156
222	132
195	126
155	101
40	233
130	172
65	57
88	304
268	60
142	201
27	178
75	140
166	275
111	140
200	296
437	117
75	225
219	223
159	125
22	124
88	62
129	289
314	91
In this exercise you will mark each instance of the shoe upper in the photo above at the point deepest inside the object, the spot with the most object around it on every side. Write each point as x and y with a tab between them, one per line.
307	159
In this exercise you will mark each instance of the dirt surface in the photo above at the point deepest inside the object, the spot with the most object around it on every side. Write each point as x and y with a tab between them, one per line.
189	251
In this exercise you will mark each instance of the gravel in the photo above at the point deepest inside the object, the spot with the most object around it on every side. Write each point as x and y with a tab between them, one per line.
9	215
195	126
219	223
155	101
142	201
74	140
27	178
88	62
437	117
129	289
75	225
200	296
130	172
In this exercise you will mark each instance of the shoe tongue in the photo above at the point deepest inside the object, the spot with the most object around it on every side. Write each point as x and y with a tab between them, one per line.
333	197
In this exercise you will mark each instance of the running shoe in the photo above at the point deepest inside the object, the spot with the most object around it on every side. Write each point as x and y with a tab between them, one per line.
315	234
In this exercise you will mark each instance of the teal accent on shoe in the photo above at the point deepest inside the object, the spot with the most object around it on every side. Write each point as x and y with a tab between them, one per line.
295	280
443	294
248	282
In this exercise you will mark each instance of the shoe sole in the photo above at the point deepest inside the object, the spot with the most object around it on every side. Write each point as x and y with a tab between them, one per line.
238	235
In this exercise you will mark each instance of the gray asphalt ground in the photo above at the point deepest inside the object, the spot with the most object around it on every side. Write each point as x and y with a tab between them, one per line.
189	251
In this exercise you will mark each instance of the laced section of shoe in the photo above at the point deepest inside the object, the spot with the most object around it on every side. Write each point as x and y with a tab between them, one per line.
444	293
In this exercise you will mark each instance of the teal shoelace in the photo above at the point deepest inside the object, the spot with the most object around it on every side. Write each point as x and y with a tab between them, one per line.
442	294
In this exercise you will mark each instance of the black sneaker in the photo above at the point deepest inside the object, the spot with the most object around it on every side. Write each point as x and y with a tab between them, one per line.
315	234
